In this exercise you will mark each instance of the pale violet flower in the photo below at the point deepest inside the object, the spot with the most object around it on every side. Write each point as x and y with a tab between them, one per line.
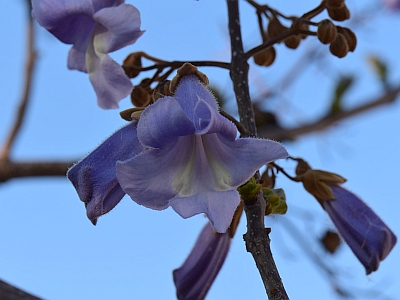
194	161
367	235
182	153
94	28
94	177
195	277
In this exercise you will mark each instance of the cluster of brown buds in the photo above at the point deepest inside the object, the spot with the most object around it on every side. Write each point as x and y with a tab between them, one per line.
341	39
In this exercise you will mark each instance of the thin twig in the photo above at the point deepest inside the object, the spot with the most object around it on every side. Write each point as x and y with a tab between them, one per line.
257	240
30	64
281	134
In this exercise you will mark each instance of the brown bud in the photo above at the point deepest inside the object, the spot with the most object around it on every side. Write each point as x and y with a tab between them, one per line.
326	31
184	70
131	63
330	241
339	46
265	57
339	14
334	3
140	96
275	27
302	167
293	41
162	90
350	37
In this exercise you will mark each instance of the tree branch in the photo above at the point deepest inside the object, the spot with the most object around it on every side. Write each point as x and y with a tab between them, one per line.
9	169
30	64
281	134
257	240
9	292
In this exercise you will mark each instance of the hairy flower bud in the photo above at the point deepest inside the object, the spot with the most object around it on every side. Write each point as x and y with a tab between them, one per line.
339	14
265	57
131	63
293	41
339	46
334	3
350	37
275	27
326	31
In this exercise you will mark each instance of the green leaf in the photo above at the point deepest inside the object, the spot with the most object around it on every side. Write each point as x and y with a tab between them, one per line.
342	86
380	68
276	200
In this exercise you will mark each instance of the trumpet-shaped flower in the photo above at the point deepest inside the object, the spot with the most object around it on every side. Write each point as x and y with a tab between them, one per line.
94	28
195	277
94	177
194	161
367	235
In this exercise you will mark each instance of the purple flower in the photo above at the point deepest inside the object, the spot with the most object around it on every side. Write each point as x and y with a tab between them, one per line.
194	161
194	278
94	177
392	4
369	238
94	28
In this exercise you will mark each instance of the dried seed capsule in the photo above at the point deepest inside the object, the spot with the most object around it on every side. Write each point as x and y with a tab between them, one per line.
326	31
265	57
339	14
350	37
334	3
131	62
339	46
293	41
275	27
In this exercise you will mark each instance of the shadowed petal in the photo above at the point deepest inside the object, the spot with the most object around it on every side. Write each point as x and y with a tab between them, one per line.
108	79
195	277
120	27
94	177
218	206
367	235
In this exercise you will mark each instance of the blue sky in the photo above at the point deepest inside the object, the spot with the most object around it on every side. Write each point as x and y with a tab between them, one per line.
49	248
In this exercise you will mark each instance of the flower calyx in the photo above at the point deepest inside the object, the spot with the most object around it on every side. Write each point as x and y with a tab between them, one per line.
132	114
132	64
317	182
187	69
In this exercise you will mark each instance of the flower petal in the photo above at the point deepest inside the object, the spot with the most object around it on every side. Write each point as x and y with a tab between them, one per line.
120	27
94	177
162	123
367	235
195	277
218	206
108	79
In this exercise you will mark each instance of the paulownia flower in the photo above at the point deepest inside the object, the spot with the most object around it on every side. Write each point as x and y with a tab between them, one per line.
195	277
367	235
94	28
194	161
94	177
370	239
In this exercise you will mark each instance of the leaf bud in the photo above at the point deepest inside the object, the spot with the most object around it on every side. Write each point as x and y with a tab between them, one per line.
339	14
131	63
249	190
339	46
350	37
265	57
334	3
326	31
293	41
276	201
275	27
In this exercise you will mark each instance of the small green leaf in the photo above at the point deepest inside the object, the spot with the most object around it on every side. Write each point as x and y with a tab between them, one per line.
342	86
249	190
380	69
276	199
